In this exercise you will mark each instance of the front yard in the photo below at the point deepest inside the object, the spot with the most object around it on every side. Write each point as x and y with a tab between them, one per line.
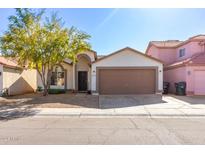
51	101
83	104
82	100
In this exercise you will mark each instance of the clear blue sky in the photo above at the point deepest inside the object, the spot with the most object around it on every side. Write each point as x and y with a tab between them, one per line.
113	29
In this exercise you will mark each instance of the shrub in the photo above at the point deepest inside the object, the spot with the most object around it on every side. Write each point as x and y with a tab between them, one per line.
56	91
39	89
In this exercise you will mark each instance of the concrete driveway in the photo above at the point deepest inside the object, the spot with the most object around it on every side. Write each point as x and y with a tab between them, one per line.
123	101
151	101
130	105
154	105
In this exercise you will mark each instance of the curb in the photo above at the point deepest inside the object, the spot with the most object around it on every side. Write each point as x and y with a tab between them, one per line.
120	115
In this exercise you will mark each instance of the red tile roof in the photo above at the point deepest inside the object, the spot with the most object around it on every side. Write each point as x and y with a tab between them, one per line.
174	43
168	43
198	58
7	62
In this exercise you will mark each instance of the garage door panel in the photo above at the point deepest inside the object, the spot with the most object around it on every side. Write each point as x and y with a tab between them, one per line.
127	81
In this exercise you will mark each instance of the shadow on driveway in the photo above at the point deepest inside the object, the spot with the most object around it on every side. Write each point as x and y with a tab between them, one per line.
192	100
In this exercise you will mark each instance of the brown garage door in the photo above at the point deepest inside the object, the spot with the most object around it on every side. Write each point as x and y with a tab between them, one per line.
127	81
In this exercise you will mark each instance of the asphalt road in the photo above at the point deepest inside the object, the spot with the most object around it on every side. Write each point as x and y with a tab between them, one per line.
59	130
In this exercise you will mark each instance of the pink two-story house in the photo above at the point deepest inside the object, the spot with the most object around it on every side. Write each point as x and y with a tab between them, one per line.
183	61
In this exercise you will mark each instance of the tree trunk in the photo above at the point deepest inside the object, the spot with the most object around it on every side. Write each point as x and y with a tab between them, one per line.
48	82
45	87
45	91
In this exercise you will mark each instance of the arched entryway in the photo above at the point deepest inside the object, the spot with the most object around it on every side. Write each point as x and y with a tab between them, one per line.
83	73
58	77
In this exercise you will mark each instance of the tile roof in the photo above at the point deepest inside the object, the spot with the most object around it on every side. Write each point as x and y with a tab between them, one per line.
198	37
7	62
198	58
168	43
174	43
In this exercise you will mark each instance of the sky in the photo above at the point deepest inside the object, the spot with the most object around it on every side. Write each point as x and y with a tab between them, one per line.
113	29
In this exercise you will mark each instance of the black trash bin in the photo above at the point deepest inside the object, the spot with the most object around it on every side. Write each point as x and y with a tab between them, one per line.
165	87
180	88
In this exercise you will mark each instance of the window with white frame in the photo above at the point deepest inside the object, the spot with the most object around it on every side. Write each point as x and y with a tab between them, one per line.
181	52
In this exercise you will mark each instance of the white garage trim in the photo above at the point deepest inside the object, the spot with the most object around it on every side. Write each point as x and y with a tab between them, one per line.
127	58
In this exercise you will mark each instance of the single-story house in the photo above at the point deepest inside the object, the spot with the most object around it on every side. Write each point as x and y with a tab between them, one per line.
126	71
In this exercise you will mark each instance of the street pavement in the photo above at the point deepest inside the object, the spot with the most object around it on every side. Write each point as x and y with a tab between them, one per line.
96	130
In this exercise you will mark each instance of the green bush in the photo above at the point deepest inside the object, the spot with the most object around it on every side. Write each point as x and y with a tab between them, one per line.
56	91
39	88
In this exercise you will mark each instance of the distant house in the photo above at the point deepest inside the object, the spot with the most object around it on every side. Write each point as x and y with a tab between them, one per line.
15	80
183	61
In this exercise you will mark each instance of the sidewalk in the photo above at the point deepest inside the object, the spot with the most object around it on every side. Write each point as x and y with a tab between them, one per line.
84	112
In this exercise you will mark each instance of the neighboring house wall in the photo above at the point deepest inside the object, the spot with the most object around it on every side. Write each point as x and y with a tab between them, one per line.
167	55
19	81
127	58
171	55
190	74
1	78
191	48
30	76
154	52
174	75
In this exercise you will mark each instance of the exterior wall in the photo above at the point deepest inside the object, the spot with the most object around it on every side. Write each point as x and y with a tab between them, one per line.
154	52
30	76
191	76
1	79
69	77
171	55
19	81
127	58
167	55
90	54
191	48
174	75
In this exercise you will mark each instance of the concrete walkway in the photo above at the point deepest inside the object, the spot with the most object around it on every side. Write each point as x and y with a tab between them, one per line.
172	107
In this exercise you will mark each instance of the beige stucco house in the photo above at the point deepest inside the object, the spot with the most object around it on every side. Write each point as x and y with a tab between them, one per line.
126	71
15	80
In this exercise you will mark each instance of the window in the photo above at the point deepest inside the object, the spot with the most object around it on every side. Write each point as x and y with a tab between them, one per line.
181	52
57	77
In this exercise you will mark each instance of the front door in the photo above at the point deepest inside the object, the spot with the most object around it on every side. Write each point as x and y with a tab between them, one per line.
82	80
